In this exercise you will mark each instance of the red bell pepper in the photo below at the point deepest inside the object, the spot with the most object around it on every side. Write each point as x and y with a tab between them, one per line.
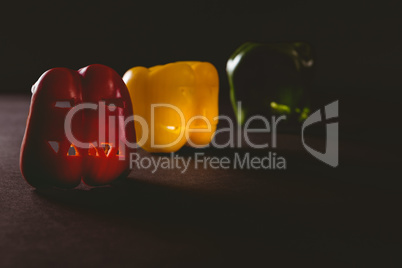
48	157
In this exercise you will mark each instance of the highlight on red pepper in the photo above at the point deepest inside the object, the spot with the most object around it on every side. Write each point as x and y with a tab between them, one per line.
271	79
178	103
48	156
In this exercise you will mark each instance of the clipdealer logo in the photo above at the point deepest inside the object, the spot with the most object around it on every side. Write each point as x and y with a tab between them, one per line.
200	161
331	155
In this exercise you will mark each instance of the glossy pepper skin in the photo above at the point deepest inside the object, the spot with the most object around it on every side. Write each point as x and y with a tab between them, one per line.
271	79
190	86
48	158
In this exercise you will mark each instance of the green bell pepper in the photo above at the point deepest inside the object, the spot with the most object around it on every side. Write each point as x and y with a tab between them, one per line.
271	79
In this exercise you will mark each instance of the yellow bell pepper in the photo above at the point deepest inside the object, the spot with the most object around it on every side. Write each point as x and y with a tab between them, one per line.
178	104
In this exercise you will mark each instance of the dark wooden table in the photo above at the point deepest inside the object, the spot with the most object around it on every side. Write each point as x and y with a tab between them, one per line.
309	214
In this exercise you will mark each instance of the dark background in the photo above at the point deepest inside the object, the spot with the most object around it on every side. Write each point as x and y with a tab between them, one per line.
357	43
308	215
